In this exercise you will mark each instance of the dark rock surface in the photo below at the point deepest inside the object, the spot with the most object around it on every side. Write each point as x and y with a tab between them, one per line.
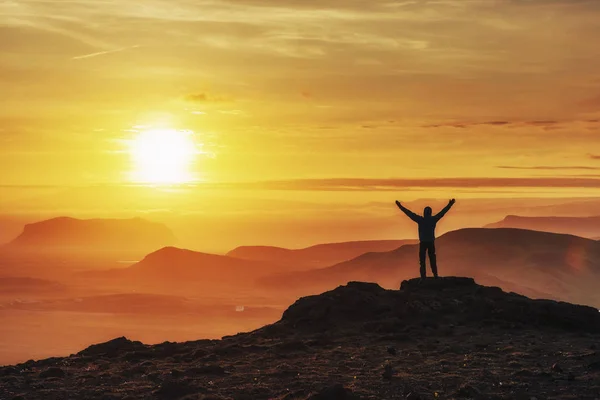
451	339
439	302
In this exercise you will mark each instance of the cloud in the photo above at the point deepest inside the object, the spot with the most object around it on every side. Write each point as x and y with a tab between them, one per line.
101	53
550	168
494	123
594	156
204	97
592	103
358	184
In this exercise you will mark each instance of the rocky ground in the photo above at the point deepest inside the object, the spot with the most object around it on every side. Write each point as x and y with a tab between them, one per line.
439	339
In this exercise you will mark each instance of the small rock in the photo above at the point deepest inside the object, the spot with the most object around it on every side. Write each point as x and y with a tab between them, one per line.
147	364
468	391
524	373
154	377
52	372
205	370
557	368
291	347
138	355
175	373
110	396
336	392
594	366
298	394
197	354
133	371
112	348
174	389
413	396
388	372
8	371
515	364
391	351
571	376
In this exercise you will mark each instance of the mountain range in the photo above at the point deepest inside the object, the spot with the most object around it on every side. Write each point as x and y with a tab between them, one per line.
174	270
538	264
320	255
580	226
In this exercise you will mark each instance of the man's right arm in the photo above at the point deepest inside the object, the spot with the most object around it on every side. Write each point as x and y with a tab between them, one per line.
409	213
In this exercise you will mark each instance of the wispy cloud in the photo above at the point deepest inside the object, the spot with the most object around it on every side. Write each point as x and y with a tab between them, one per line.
465	124
102	53
205	97
357	184
550	168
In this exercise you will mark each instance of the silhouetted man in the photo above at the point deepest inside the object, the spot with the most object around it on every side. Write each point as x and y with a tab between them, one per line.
427	224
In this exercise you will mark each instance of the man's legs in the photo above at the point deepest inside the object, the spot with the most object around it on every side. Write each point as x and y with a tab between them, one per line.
432	258
422	255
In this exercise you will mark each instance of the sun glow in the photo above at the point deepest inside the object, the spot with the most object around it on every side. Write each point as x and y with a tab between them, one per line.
163	156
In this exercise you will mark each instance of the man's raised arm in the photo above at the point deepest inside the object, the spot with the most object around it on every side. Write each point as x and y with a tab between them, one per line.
439	215
409	213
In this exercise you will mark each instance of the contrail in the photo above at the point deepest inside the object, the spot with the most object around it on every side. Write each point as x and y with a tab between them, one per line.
101	53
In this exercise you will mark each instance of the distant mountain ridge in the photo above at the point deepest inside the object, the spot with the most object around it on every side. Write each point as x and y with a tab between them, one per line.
172	268
579	226
537	264
72	235
319	255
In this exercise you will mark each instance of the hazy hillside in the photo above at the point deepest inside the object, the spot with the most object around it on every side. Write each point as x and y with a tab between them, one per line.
20	286
538	264
580	226
320	255
65	235
12	225
172	270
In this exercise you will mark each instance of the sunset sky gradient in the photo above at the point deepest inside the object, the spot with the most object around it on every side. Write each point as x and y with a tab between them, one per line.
321	89
480	97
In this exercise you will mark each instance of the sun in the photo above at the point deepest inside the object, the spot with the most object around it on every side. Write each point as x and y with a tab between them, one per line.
163	156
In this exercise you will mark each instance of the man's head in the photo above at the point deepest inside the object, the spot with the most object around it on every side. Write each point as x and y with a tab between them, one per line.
427	211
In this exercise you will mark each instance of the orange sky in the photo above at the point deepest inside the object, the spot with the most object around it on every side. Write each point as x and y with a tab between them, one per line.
300	89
